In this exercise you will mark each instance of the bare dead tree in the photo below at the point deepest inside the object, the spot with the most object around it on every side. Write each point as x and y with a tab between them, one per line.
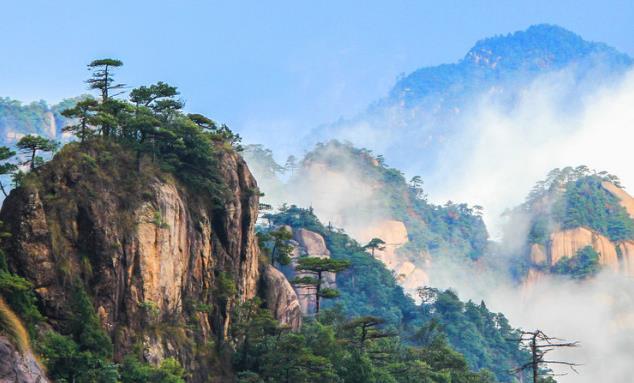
540	345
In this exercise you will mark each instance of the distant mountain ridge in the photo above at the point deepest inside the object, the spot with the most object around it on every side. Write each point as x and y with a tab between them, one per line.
426	122
538	49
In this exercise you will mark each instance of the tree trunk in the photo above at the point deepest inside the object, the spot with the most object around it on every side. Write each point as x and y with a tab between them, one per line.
318	292
535	364
33	158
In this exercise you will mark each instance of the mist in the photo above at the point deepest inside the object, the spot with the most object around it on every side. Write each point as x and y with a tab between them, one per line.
502	152
494	153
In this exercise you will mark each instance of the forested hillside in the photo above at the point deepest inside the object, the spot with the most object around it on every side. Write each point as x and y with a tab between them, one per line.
368	289
357	190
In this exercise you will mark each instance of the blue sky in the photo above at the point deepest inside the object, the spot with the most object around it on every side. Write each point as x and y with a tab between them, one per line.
269	66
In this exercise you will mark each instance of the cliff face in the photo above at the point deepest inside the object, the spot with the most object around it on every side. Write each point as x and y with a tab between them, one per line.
307	243
616	256
18	367
147	250
567	243
394	234
625	199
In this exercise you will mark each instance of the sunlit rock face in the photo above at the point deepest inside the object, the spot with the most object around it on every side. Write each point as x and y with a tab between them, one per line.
394	233
567	243
145	254
281	299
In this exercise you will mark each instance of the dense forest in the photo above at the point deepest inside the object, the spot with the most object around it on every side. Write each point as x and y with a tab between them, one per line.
368	289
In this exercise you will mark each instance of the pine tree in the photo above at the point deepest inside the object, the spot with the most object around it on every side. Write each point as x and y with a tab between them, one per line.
316	267
31	144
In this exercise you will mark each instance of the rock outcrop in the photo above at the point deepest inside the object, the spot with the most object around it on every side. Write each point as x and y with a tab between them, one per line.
281	299
626	250
616	257
144	247
394	233
19	366
312	244
567	243
307	243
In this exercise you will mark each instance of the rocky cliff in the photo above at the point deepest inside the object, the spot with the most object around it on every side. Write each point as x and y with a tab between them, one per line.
614	255
163	264
281	299
17	366
307	243
394	234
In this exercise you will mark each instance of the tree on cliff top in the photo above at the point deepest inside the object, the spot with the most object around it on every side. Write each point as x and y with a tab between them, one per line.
84	111
102	78
31	144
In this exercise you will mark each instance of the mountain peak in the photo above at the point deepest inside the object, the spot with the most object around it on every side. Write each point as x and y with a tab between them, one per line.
541	46
539	49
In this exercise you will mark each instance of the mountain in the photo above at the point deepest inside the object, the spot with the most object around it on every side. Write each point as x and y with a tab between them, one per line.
513	57
119	270
428	122
135	255
355	189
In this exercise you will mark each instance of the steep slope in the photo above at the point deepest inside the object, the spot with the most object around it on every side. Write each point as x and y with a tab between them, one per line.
17	361
162	266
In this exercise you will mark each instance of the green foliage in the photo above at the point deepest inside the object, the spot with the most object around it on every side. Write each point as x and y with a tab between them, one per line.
586	203
66	362
225	287
275	245
483	337
450	230
375	244
18	119
18	293
135	371
102	77
321	265
329	350
575	197
317	267
32	144
6	167
85	326
368	289
583	265
12	327
85	112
